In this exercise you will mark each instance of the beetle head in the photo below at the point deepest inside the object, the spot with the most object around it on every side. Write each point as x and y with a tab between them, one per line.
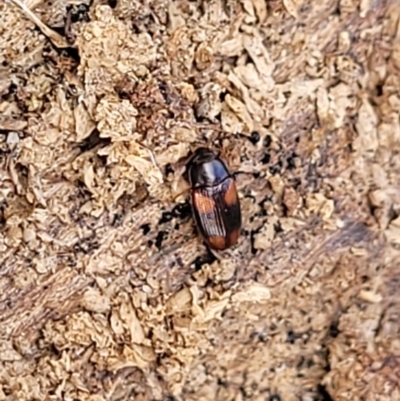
205	168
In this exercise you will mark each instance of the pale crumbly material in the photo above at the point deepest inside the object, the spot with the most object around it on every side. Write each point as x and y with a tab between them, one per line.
107	291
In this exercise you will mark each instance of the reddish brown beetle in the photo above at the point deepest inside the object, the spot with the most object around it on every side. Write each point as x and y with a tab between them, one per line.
214	198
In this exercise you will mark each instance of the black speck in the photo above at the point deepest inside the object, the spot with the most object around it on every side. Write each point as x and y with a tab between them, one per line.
92	141
379	90
255	137
253	250
222	383
162	86
117	219
291	162
324	393
292	336
274	397
168	169
275	169
204	259
160	238
278	228
80	13
182	210
145	228
166	217
333	330
266	159
243	392
12	88
267	141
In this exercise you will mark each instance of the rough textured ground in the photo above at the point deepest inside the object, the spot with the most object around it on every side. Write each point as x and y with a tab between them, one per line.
106	290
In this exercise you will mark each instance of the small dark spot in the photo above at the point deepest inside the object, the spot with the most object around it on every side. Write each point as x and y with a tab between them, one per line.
207	258
334	330
291	162
275	169
266	159
169	169
117	220
112	3
86	245
12	88
364	279
243	392
267	141
182	210
255	137
222	383
305	9
71	52
324	393
300	363
160	238
92	141
163	88
176	226
293	336
2	218
295	183
179	261
243	158
53	349
149	243
337	10
145	228
166	217
80	13
278	228
274	397
262	337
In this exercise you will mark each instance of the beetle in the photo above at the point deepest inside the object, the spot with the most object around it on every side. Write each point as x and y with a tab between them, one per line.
214	199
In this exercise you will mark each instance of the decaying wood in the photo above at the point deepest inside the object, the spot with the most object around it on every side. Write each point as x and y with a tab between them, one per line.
106	290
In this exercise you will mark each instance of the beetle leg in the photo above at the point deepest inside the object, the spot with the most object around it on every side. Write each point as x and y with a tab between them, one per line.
236	173
180	193
216	254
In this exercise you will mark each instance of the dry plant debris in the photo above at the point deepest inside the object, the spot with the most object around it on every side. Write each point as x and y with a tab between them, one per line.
106	290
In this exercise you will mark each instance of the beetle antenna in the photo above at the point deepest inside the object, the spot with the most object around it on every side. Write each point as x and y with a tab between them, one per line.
235	173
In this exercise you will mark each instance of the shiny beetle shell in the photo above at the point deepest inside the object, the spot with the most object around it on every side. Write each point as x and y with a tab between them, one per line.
214	198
